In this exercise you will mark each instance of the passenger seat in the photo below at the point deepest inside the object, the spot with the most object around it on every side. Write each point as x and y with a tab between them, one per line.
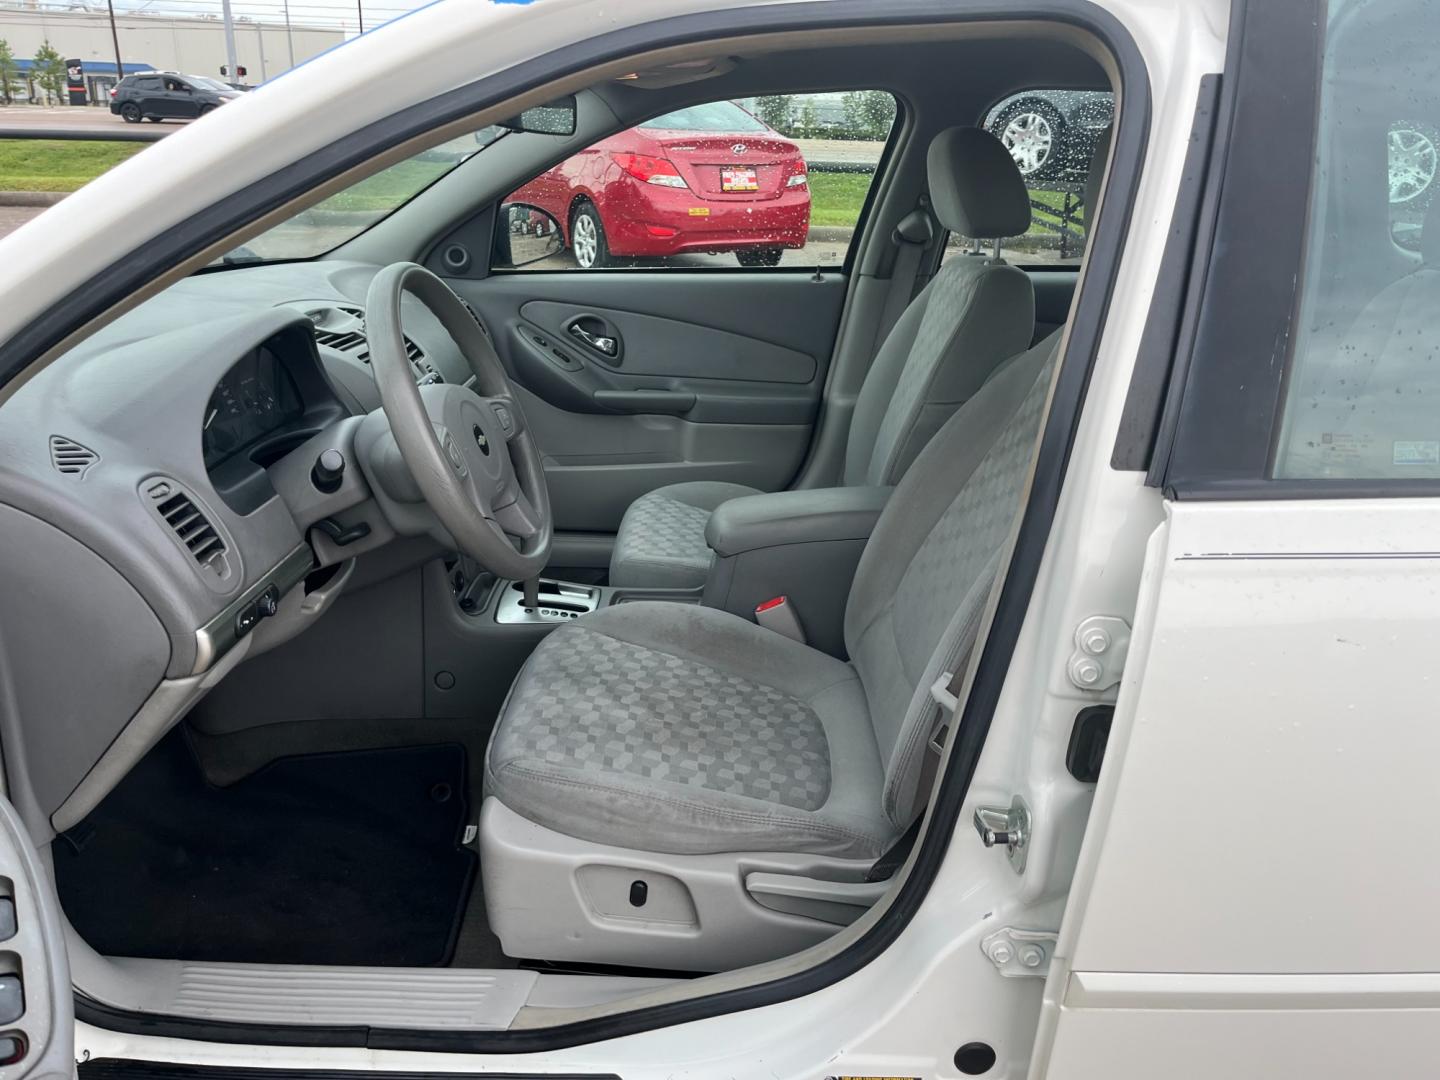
977	312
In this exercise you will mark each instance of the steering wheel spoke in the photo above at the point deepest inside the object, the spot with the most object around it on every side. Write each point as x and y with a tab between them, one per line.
517	518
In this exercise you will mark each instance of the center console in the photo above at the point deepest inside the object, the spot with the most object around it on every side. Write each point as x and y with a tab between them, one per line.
803	545
480	595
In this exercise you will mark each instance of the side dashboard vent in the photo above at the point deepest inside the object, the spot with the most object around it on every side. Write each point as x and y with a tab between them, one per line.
71	458
190	525
476	316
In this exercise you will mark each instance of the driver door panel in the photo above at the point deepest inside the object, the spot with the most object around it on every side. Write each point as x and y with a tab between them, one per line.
710	377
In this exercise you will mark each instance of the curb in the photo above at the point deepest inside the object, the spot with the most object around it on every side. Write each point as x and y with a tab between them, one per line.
31	198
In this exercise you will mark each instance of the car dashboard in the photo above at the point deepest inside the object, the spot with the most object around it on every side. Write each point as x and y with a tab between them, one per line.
150	477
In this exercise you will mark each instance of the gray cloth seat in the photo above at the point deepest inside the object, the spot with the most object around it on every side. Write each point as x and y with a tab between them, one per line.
974	313
674	728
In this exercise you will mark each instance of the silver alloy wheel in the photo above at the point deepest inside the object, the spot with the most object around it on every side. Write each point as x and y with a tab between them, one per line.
1030	139
1412	162
584	240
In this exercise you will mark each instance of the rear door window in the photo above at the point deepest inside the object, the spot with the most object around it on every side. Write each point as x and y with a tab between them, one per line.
775	181
1362	399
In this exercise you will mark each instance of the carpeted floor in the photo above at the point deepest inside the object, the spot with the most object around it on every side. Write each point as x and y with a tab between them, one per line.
332	858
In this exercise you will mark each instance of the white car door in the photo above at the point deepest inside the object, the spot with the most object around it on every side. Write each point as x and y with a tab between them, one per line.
1256	891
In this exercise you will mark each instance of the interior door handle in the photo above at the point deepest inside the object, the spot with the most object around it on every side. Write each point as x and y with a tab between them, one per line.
670	402
601	343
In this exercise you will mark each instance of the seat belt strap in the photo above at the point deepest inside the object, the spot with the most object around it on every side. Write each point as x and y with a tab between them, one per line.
912	239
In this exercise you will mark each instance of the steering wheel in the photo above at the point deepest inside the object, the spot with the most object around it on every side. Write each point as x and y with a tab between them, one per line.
470	453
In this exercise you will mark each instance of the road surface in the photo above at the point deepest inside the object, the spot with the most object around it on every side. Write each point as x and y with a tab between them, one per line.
95	118
12	217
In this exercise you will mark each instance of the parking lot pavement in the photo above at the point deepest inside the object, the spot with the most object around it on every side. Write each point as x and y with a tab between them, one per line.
12	217
827	253
77	118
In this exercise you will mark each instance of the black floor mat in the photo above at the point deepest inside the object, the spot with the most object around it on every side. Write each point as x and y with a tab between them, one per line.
348	858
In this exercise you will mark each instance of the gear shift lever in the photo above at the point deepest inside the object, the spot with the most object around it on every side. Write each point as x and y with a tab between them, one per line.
531	587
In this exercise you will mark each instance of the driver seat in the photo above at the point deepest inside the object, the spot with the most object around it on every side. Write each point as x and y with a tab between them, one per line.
673	786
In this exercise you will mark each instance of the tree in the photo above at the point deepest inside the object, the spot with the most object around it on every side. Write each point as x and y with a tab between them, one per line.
48	70
9	71
807	125
869	114
775	110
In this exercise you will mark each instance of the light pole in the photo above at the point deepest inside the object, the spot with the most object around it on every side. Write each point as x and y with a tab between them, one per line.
360	13
115	37
233	70
289	41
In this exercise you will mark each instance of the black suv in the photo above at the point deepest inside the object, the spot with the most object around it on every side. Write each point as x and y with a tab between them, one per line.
166	95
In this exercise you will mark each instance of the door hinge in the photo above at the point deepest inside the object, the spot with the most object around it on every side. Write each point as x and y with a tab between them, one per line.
1020	953
1101	644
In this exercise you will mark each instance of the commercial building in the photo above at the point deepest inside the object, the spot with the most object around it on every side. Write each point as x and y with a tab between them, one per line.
193	44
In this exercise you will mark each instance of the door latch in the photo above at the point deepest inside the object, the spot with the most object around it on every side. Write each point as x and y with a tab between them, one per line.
1007	828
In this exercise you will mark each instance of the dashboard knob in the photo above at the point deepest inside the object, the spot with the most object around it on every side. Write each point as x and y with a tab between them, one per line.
329	470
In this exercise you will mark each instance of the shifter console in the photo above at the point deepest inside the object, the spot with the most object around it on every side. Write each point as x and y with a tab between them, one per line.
559	601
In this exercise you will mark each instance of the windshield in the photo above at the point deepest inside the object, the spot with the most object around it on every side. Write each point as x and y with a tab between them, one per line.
348	213
212	84
712	116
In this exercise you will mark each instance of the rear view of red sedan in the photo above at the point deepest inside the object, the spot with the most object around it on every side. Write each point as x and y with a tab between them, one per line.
709	178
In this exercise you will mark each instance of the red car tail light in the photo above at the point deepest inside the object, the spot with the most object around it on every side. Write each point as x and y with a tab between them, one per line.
650	170
799	175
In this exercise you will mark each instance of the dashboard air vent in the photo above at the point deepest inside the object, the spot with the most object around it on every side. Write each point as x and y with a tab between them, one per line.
350	341
193	528
476	316
69	457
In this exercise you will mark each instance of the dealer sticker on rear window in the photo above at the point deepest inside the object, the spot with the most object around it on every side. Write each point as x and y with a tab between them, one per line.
1416	452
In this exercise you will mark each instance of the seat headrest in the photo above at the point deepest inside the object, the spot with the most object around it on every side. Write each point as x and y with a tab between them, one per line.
1430	235
1098	157
975	185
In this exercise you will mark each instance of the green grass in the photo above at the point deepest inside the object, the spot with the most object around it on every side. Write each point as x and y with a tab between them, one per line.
389	188
836	198
56	165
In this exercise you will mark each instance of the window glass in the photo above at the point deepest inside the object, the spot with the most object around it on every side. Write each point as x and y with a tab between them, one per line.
346	214
1051	134
1362	397
755	182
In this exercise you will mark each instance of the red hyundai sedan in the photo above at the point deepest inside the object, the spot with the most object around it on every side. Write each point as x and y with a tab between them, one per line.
708	178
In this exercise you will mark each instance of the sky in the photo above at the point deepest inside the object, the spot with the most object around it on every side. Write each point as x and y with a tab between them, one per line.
332	14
